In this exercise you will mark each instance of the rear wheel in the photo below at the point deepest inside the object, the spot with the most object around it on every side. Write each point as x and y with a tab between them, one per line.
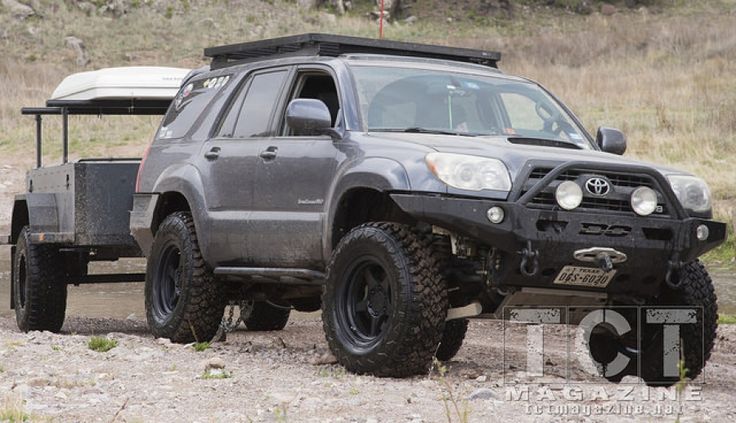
264	316
39	291
183	301
384	305
452	339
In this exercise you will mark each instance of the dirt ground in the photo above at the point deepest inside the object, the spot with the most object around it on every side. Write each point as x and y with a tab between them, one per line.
287	376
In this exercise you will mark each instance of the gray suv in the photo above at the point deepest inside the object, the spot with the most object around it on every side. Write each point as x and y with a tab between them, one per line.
402	189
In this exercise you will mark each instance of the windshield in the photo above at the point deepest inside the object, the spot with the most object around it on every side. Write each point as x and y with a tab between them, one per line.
448	102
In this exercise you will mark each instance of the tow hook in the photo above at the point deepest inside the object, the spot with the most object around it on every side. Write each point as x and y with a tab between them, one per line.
604	257
672	279
529	260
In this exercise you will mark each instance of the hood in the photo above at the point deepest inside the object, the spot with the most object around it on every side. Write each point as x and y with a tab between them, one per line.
515	156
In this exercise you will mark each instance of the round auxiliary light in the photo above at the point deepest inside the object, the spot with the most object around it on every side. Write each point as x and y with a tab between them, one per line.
495	214
644	201
569	195
702	232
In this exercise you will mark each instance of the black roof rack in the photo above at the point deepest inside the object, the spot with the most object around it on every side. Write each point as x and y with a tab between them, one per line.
335	45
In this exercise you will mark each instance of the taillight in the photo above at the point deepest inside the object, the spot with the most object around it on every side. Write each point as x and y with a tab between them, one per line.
140	169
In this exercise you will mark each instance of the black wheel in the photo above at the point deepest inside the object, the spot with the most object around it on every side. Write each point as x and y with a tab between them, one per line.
452	339
695	289
647	350
384	304
454	333
264	316
39	291
183	302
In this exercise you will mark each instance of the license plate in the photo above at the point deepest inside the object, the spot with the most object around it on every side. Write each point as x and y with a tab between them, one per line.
584	276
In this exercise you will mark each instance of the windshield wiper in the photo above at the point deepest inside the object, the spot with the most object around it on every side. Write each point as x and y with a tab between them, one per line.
420	130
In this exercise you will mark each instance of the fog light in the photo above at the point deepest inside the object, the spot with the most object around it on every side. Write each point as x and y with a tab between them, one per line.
644	201
569	195
495	214
702	232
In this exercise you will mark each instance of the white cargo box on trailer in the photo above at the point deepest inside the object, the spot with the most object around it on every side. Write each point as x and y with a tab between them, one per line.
134	82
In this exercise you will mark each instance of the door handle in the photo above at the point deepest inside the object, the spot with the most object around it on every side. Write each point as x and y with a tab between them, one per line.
269	153
213	154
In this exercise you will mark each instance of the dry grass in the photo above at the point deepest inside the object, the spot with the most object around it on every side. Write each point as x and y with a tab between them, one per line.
667	79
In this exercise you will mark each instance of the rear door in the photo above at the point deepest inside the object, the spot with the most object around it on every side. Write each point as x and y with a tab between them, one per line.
229	161
293	178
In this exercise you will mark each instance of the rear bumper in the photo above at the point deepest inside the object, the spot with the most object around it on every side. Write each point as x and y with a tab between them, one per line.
650	244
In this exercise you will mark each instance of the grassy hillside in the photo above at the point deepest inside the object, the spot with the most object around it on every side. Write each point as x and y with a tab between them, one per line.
665	75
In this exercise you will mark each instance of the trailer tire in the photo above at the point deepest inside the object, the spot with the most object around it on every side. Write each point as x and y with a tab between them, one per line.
385	303
39	291
183	301
264	316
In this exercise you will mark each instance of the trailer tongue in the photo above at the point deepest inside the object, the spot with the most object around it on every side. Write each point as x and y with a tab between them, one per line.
75	213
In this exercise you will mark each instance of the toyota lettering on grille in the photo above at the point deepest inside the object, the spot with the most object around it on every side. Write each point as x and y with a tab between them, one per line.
598	186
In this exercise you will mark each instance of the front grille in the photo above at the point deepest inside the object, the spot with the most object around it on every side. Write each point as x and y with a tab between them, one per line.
617	201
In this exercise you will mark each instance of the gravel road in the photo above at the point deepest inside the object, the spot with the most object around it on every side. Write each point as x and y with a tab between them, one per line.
289	376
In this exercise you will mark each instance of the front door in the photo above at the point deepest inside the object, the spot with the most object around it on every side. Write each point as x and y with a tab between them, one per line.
293	177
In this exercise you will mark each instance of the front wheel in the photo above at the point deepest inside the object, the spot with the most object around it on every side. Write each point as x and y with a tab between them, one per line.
183	301
385	303
696	340
39	291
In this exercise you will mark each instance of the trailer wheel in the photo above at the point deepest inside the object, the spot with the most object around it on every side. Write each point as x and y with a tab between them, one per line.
264	316
183	301
385	304
39	292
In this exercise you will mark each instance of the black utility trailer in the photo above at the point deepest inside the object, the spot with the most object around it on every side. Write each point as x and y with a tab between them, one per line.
71	214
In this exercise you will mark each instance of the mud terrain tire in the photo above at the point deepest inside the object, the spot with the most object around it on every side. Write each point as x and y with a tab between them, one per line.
695	289
183	301
385	303
452	339
266	317
39	292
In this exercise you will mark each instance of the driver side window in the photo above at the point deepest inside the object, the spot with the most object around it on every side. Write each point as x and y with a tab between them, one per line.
317	86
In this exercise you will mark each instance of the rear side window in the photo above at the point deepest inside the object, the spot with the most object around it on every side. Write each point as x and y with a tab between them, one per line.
188	105
254	117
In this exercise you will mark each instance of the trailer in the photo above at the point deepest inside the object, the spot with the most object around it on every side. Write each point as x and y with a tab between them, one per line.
74	213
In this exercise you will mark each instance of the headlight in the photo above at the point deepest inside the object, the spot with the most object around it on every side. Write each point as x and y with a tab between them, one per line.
693	193
644	201
470	173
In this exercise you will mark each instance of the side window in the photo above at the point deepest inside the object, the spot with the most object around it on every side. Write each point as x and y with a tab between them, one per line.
188	105
321	87
263	92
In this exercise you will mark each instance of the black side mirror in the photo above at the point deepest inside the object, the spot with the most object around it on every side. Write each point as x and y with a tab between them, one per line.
611	140
307	115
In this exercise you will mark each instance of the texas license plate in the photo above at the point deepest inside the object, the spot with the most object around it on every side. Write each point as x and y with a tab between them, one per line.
584	276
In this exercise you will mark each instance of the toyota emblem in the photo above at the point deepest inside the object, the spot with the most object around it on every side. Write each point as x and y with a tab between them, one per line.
598	186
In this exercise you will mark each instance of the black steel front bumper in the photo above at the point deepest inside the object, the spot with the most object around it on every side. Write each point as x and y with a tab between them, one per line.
653	245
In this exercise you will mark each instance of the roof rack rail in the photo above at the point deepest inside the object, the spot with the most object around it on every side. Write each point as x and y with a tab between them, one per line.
336	45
